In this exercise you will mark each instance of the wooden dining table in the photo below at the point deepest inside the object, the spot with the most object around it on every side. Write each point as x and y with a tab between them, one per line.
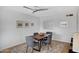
39	38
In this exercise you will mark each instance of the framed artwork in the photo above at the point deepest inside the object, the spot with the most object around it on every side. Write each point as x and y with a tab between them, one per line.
26	24
32	24
23	24
19	24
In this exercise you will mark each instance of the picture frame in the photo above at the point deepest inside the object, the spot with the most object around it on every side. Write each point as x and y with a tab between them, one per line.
26	24
19	24
32	24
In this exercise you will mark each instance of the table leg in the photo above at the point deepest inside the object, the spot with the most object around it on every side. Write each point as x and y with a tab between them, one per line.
39	46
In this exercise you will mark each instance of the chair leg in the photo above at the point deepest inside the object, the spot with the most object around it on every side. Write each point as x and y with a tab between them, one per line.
26	49
47	46
50	45
32	50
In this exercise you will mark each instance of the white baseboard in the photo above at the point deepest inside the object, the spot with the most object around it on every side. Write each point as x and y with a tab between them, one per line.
1	49
61	40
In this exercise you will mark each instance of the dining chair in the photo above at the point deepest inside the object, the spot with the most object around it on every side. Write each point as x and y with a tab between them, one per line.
49	33
48	39
30	43
35	33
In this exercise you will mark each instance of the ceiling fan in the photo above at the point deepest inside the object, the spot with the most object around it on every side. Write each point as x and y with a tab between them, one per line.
35	10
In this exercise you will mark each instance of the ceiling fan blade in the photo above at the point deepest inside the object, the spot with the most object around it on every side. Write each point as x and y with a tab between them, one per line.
42	9
28	8
34	11
39	10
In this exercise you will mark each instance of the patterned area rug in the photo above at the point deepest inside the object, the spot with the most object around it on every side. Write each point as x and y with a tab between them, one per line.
57	47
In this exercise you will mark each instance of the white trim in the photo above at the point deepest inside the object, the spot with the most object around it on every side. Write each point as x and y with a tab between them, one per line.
11	46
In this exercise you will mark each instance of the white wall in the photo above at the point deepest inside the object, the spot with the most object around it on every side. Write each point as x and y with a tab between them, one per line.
10	34
53	23
0	28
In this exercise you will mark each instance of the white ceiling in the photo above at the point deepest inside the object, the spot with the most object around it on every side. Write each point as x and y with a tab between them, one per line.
51	10
27	11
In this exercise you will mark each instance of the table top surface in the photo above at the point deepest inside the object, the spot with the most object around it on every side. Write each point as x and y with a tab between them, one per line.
40	37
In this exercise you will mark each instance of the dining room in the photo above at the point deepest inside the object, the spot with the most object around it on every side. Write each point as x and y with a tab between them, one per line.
41	29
